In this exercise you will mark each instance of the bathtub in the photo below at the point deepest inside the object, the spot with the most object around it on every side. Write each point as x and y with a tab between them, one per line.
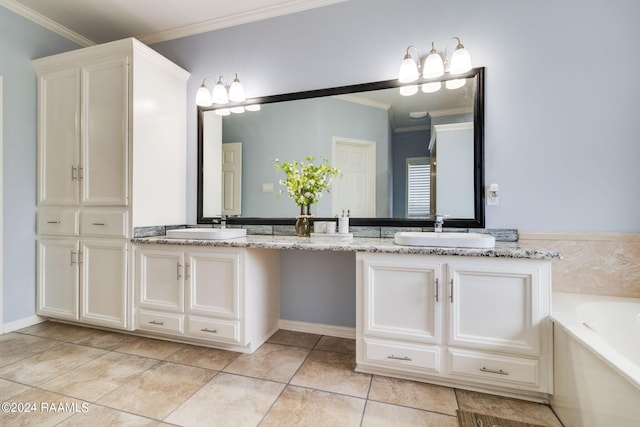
596	360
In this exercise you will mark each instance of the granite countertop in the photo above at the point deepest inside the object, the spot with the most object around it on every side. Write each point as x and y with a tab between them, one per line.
356	244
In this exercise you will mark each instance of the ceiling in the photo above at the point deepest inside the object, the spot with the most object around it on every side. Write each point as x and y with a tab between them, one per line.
89	22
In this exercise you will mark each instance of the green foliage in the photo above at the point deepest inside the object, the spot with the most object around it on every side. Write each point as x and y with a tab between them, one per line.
305	182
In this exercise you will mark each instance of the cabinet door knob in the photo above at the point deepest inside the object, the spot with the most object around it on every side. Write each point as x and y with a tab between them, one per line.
213	331
451	290
155	322
437	289
98	223
53	222
178	275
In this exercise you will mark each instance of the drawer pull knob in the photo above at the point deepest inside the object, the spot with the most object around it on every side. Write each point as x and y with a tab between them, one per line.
213	331
408	359
98	223
155	322
493	371
53	222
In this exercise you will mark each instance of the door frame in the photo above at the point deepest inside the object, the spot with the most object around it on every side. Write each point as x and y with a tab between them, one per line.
368	145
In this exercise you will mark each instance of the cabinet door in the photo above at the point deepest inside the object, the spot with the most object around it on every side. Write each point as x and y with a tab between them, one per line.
105	133
159	279
401	298
58	278
214	288
497	306
104	279
59	138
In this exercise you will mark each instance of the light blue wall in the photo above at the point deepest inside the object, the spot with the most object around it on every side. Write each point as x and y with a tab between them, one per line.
561	132
561	127
20	42
561	104
311	126
406	144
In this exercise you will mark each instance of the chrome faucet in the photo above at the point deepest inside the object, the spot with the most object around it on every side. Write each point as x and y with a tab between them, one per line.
222	221
437	224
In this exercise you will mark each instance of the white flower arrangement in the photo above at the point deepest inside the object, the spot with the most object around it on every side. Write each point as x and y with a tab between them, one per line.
305	182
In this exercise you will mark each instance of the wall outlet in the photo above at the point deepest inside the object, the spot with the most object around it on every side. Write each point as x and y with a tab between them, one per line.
267	187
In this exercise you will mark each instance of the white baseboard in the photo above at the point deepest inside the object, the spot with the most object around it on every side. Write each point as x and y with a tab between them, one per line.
22	323
318	328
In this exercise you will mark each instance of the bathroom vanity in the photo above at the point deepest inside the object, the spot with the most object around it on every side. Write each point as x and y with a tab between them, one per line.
476	318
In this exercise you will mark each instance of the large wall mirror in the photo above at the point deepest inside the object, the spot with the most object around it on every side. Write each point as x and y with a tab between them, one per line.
405	154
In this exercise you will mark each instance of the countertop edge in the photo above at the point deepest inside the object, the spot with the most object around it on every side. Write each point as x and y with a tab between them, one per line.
370	245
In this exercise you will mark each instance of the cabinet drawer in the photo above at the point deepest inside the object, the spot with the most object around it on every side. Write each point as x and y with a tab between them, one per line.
494	368
103	223
58	222
166	322
214	329
399	355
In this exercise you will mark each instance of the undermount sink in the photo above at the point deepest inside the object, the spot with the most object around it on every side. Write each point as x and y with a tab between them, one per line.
444	240
207	233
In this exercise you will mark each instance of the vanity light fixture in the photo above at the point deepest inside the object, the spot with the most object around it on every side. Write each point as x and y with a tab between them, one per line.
410	68
435	65
221	93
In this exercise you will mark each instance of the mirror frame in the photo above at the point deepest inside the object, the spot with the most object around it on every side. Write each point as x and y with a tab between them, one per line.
478	126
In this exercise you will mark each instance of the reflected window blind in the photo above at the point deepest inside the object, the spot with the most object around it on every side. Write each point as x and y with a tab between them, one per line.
418	186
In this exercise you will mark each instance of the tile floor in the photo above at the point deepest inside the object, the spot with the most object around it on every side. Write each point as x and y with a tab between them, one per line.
79	376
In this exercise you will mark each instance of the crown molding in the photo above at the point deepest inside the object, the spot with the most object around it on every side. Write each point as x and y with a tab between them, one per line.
45	22
286	8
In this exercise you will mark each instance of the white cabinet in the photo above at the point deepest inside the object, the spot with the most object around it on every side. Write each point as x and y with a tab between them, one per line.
479	322
103	281
108	141
58	278
401	311
83	280
225	297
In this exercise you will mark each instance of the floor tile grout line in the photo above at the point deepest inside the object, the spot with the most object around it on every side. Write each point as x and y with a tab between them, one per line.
287	384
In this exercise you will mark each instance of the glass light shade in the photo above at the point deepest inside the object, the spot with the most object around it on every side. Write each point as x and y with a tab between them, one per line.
237	110
408	90
408	70
220	95
222	111
252	107
455	83
433	66
203	96
460	61
236	91
431	87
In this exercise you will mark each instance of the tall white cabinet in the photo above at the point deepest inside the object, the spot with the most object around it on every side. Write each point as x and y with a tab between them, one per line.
111	157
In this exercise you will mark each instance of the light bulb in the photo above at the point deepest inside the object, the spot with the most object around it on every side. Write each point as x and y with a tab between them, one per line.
460	61
220	95
433	65
237	110
455	83
252	107
431	87
222	112
408	70
236	91
408	90
203	96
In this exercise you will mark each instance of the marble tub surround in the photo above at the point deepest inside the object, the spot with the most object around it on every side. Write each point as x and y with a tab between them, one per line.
593	263
183	389
377	245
